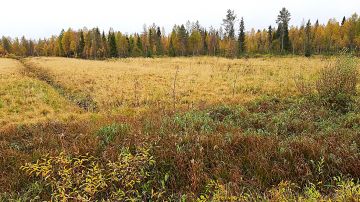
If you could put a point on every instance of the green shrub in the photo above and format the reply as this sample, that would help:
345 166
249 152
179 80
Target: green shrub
347 190
337 83
86 178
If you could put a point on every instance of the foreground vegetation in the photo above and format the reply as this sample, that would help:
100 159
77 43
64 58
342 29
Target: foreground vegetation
278 130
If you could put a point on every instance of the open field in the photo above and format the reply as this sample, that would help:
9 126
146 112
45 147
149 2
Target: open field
200 81
175 129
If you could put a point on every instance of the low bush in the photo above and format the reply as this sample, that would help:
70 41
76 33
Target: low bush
87 178
337 83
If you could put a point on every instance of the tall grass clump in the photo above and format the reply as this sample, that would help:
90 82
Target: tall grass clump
337 83
108 133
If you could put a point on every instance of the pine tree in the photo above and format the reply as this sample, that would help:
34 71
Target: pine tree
308 39
283 22
228 24
241 39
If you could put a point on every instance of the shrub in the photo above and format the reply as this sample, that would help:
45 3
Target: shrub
86 178
337 83
347 190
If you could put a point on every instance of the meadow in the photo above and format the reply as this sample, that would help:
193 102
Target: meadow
199 81
179 129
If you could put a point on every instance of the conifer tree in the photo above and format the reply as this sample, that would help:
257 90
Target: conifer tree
283 22
60 46
241 39
228 24
183 39
343 21
6 44
205 43
104 45
159 47
270 38
150 46
81 44
139 45
128 45
308 39
112 45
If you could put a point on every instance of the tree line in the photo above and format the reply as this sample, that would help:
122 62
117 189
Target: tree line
192 39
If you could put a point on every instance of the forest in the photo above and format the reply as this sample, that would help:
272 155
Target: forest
191 39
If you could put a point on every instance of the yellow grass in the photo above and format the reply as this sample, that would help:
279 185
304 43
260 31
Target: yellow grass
200 81
24 99
118 84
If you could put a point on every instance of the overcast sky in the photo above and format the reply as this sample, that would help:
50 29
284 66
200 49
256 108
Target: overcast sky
43 18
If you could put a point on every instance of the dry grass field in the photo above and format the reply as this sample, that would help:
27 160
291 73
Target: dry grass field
199 82
25 100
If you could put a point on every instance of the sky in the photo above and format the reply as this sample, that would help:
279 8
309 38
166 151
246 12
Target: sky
42 18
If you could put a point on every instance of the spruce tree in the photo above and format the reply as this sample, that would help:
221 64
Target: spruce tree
128 45
6 44
61 49
159 47
270 38
104 45
81 45
137 46
308 39
131 45
183 36
205 45
112 45
241 39
343 21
